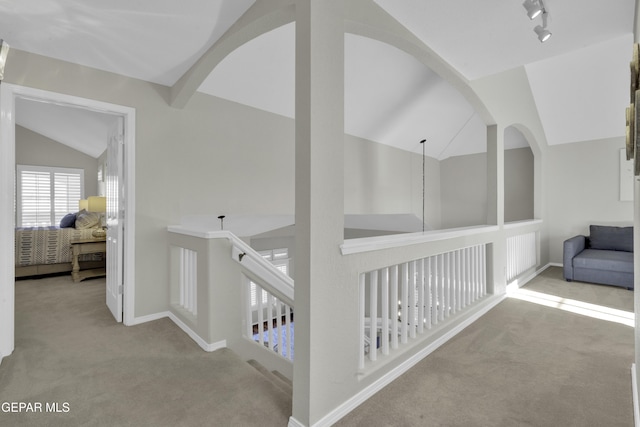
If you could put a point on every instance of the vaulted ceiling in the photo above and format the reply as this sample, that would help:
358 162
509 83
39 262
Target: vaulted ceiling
579 78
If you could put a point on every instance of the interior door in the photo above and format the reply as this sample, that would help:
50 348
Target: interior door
114 183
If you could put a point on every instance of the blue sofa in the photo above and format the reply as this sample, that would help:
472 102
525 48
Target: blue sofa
604 257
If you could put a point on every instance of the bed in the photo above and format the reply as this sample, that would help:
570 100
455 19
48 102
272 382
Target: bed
47 250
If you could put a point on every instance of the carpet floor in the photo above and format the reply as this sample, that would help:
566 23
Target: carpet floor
72 355
522 364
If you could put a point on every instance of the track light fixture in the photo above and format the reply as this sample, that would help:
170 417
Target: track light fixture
534 9
543 33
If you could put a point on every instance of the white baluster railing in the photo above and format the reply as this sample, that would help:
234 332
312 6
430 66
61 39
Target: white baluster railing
188 280
269 322
402 302
521 254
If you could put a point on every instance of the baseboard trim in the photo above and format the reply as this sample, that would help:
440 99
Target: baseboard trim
520 282
379 384
634 389
148 318
194 336
294 423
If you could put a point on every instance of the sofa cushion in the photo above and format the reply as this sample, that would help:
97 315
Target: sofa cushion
611 238
598 259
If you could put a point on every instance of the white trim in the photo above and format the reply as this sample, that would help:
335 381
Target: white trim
349 405
276 282
203 234
520 282
128 303
523 223
294 423
634 389
367 244
149 318
9 93
194 336
7 223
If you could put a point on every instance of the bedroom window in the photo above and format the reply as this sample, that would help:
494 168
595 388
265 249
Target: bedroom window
280 259
46 194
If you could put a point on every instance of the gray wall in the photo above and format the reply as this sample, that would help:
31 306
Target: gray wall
384 180
215 157
37 150
464 188
582 181
463 191
518 184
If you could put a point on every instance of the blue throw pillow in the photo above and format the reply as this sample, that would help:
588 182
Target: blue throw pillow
68 221
611 238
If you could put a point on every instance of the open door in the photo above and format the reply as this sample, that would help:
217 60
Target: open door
115 218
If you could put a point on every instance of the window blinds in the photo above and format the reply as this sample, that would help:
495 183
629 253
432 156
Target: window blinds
46 194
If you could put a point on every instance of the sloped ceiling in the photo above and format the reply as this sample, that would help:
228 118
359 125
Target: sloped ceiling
80 129
578 78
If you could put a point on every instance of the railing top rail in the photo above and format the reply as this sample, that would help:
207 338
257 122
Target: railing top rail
523 223
274 280
196 232
353 246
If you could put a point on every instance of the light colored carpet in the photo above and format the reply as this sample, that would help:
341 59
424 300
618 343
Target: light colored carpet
69 349
521 364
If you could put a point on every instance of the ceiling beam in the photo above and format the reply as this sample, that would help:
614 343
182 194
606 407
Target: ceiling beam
368 19
262 17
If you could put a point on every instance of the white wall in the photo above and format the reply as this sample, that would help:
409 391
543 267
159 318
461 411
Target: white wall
582 181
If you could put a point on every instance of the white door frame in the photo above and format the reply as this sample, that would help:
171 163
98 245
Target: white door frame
8 95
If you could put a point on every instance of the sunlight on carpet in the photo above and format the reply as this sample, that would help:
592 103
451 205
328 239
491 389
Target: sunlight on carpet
574 306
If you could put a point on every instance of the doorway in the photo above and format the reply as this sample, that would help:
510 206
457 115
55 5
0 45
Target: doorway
123 236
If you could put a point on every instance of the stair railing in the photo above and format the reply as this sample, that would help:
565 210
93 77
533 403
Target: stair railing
269 318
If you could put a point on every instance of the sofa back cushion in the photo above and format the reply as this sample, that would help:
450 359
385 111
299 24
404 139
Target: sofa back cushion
611 238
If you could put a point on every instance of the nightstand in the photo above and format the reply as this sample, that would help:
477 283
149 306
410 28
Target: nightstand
86 246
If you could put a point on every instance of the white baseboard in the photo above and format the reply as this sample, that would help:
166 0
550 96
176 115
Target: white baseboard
201 342
634 389
520 282
294 423
379 384
148 318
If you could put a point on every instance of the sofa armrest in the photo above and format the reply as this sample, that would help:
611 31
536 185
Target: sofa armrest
571 248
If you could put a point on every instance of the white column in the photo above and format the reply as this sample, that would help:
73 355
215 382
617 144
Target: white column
319 133
636 228
496 259
7 233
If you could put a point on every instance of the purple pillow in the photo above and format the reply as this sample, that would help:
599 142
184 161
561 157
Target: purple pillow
68 221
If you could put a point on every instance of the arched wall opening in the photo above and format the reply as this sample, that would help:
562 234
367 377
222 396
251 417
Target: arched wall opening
384 173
